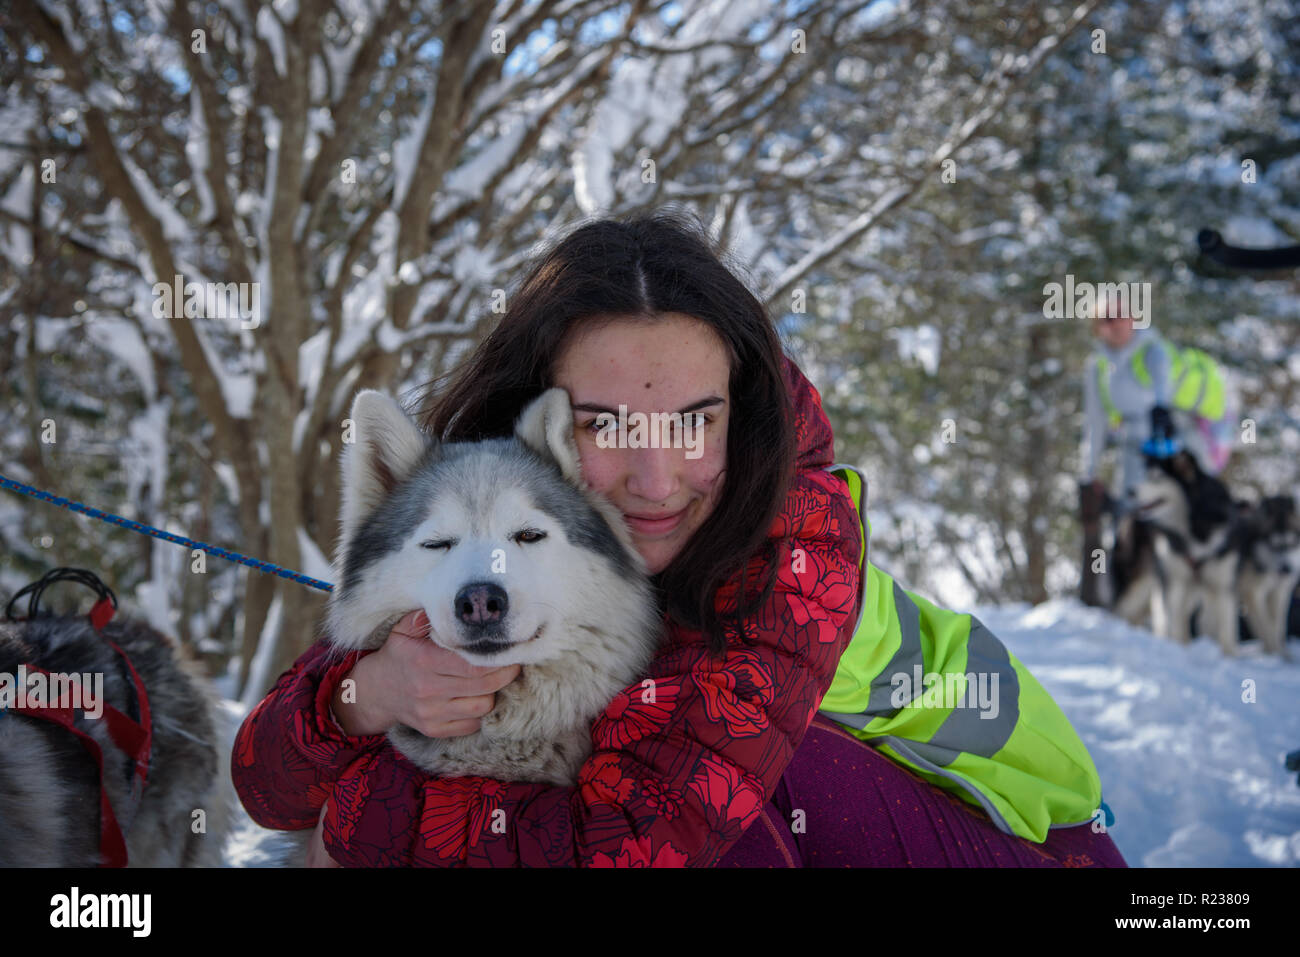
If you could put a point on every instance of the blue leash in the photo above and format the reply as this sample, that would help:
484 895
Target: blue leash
143 529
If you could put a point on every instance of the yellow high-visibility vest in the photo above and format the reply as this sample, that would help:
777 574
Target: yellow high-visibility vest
1198 384
937 692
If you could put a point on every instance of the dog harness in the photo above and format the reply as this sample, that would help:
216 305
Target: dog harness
914 681
133 738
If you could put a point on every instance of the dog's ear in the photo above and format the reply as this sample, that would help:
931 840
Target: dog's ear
382 447
546 427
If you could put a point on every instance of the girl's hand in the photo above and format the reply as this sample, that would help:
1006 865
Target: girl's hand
412 681
317 856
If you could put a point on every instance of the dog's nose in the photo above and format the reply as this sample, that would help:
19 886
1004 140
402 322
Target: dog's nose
481 603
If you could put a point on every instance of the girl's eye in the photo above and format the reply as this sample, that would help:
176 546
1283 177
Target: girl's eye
695 420
528 536
700 419
438 543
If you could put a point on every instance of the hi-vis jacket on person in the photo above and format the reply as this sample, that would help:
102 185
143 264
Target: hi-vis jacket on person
1121 386
937 692
1197 385
677 776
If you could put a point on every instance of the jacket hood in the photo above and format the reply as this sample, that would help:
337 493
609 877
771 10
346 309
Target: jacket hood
815 441
810 503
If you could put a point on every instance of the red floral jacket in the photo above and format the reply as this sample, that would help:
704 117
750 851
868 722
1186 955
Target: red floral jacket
670 781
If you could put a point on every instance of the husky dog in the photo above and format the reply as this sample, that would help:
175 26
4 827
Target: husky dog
1129 588
1270 570
514 561
1196 541
49 782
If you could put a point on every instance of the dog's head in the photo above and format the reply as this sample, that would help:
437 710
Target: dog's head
1275 527
501 544
1164 491
1175 493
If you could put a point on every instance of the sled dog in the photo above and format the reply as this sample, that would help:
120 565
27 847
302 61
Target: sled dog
1196 536
1270 570
49 781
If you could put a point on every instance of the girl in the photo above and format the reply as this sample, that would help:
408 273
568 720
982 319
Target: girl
757 556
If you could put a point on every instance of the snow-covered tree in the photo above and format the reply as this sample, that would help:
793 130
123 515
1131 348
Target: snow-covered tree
1153 122
352 187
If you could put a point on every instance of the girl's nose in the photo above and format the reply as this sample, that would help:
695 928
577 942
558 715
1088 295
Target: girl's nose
652 473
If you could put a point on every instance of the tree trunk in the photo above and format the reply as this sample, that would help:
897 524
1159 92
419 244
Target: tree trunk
1038 472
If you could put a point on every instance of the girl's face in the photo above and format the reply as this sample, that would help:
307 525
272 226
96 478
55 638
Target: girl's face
673 364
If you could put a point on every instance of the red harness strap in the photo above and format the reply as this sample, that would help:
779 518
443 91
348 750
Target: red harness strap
132 738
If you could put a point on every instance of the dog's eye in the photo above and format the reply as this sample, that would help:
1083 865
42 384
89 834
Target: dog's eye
437 543
528 536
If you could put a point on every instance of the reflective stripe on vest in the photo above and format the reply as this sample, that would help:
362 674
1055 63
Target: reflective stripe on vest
1197 388
1113 415
937 692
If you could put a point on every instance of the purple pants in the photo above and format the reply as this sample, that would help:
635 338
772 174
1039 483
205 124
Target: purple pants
864 810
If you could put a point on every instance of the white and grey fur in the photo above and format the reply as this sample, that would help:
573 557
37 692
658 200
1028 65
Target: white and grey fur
514 560
1202 549
49 783
1197 539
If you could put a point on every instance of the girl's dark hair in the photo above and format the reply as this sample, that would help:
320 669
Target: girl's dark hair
642 267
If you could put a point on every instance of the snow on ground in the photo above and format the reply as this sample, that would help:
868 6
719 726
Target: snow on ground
1192 771
1190 765
247 845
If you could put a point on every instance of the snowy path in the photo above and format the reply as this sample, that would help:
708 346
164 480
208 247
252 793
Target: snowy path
1193 773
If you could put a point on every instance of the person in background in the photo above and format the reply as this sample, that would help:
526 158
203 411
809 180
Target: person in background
1150 398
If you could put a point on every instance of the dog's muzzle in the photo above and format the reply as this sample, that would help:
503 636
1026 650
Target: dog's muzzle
480 610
